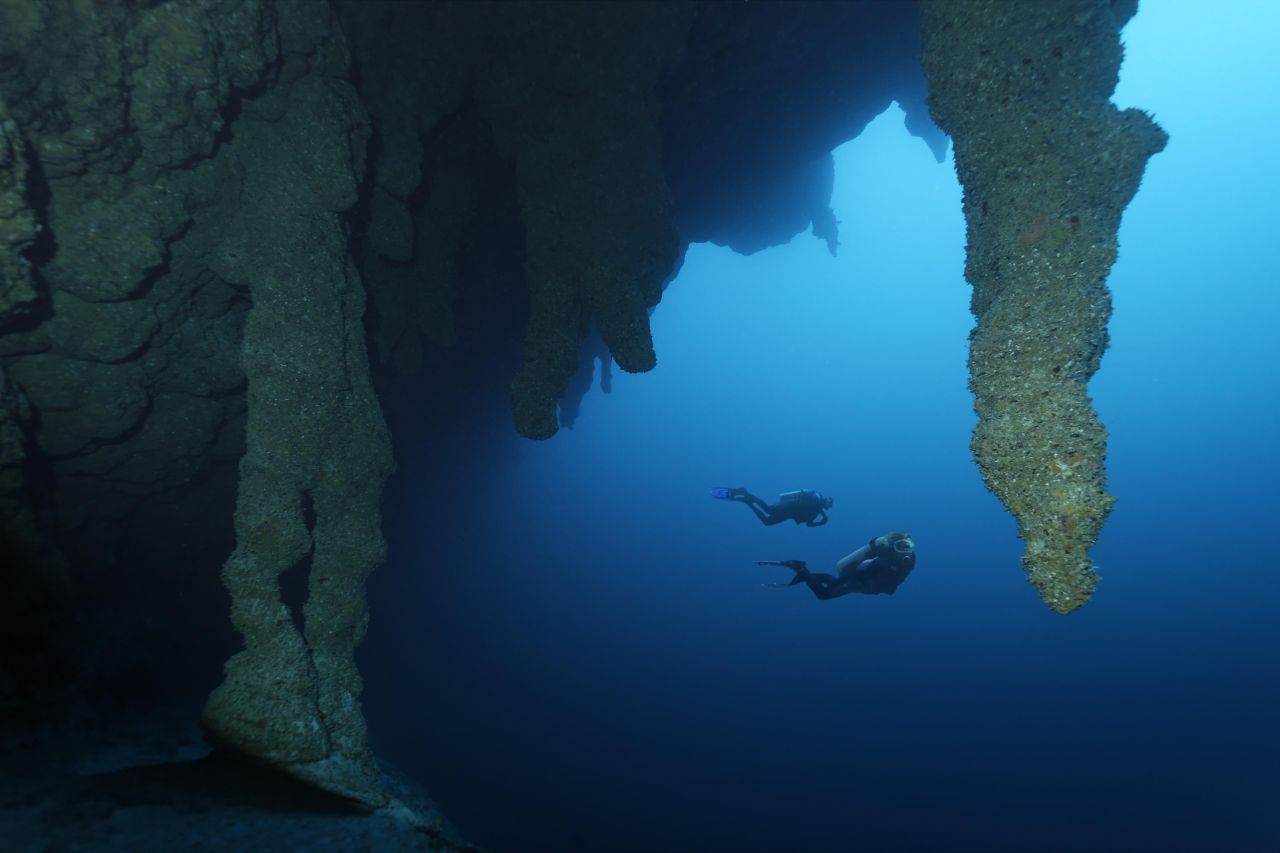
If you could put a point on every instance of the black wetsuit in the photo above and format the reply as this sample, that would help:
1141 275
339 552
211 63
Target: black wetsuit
876 568
883 580
806 507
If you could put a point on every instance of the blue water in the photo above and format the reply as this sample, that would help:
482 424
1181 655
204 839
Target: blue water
571 645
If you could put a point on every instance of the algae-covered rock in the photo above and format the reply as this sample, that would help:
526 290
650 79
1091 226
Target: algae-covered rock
112 119
565 99
1048 165
19 226
573 102
127 355
113 330
317 451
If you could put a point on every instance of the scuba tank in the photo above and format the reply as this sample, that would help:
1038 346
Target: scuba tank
792 497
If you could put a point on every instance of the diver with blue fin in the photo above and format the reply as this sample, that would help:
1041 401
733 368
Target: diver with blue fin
803 506
877 568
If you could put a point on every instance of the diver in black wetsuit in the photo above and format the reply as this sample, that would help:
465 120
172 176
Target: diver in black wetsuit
802 507
876 568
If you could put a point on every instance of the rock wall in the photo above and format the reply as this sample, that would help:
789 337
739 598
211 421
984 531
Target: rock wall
123 394
1048 165
174 179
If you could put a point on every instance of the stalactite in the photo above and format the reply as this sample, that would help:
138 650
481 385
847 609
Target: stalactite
1048 165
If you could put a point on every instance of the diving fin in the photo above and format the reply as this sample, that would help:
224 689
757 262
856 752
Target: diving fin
793 565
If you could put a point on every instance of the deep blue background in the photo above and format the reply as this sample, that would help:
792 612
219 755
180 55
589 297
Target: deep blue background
571 646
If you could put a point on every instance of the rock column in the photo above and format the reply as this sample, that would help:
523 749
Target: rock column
1048 165
317 451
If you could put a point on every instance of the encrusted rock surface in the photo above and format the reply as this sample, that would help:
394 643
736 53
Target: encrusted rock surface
1048 165
115 337
116 353
599 235
564 96
125 348
317 451
18 225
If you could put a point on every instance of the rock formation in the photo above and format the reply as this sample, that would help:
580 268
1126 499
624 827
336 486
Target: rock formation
317 451
191 162
619 134
123 396
1048 165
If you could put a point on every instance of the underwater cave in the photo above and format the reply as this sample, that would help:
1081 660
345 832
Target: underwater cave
377 379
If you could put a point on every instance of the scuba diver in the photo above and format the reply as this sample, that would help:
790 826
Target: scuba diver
877 567
803 506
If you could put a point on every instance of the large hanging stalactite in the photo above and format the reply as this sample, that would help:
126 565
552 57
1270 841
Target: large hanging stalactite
623 132
583 132
1048 165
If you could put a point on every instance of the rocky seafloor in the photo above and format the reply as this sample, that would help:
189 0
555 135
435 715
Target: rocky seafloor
149 782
